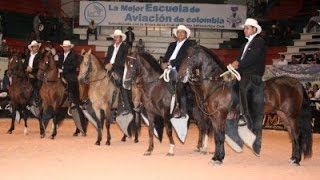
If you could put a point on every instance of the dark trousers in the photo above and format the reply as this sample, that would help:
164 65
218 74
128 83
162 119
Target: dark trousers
251 98
73 92
184 96
36 85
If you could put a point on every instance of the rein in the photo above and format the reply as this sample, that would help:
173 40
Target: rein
89 70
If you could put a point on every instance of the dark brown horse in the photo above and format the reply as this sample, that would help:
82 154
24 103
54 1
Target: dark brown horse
53 95
142 74
284 96
20 91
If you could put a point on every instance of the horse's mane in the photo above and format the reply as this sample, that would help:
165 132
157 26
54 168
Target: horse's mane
214 57
152 61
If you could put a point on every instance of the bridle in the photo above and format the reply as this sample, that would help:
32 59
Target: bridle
88 71
45 71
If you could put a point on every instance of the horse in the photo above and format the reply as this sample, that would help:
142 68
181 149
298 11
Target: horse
284 96
20 91
54 97
142 74
102 93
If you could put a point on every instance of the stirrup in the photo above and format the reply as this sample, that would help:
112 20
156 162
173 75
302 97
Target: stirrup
242 121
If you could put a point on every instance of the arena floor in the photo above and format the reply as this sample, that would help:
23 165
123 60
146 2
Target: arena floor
67 157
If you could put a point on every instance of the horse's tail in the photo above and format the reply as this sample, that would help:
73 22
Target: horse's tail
304 120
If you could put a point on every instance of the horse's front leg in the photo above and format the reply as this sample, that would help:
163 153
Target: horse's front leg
108 124
41 125
76 133
137 126
168 126
219 137
151 134
54 126
99 123
13 117
24 114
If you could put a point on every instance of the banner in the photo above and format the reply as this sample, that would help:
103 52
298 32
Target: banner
210 16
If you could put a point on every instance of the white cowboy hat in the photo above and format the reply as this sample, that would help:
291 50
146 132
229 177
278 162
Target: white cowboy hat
252 22
67 43
118 32
184 28
33 43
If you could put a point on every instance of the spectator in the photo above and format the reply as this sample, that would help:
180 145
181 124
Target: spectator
287 34
130 36
5 81
92 29
303 59
314 59
282 60
4 49
1 28
314 22
36 25
294 60
140 46
316 91
308 86
274 36
311 95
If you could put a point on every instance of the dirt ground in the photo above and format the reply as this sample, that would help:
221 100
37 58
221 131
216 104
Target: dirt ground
67 157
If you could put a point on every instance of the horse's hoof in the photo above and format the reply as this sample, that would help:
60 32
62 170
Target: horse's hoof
216 162
108 143
42 135
203 152
123 139
97 143
9 132
293 162
84 134
170 154
148 153
136 141
196 150
52 137
75 134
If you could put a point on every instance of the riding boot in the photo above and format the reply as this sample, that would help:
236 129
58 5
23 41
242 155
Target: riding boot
126 103
244 110
180 108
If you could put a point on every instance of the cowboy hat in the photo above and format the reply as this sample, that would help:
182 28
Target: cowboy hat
33 43
67 43
184 28
118 32
252 22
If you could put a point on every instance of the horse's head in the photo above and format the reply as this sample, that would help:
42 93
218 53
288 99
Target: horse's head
15 65
200 62
189 64
85 66
45 65
130 71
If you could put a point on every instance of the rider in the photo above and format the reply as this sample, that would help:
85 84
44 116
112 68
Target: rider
68 64
114 63
175 53
31 63
251 66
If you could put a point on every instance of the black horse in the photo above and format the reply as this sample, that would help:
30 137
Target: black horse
284 96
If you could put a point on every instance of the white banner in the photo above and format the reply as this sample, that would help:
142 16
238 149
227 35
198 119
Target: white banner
211 16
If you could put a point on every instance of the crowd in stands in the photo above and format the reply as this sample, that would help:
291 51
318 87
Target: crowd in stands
299 59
